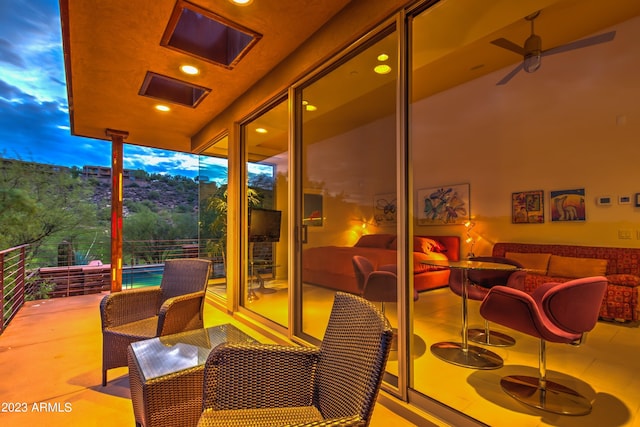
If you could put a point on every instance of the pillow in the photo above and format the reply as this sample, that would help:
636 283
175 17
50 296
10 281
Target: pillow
374 241
533 262
426 245
421 244
562 266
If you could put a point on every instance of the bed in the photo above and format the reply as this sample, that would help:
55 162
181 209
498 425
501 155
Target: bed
331 266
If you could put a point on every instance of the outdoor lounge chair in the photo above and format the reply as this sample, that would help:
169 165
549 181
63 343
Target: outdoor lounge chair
174 306
269 385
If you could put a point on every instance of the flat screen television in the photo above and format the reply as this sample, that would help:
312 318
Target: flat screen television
264 225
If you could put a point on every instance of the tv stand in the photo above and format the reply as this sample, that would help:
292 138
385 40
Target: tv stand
257 263
261 288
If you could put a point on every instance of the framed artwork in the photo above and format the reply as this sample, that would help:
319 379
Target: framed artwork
385 209
568 205
444 205
527 207
313 212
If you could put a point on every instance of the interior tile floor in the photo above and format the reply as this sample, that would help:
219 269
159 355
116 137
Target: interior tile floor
605 368
50 368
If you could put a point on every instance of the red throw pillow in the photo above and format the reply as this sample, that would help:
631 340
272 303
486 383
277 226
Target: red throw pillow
422 244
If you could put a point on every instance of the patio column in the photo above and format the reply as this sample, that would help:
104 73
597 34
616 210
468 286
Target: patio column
117 144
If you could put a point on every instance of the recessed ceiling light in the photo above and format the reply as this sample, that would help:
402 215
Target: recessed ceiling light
382 69
189 69
383 57
161 107
241 2
261 130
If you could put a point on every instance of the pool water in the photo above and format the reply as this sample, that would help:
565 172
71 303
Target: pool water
142 276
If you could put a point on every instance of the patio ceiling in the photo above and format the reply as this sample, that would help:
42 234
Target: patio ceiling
111 45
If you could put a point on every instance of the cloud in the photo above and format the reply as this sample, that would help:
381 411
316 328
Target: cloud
31 47
38 131
160 161
8 55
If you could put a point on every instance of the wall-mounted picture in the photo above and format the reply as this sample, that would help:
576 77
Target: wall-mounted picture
444 205
568 205
527 207
385 209
313 212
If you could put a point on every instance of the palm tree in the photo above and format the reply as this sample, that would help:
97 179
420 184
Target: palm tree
218 204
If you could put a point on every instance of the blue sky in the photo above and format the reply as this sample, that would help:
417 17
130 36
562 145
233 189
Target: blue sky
34 116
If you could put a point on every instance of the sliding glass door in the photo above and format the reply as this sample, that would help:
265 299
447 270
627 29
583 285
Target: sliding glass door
266 276
347 122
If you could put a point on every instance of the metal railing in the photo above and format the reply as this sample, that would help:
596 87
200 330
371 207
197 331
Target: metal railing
47 272
12 282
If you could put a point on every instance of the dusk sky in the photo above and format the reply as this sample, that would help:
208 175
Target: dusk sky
34 116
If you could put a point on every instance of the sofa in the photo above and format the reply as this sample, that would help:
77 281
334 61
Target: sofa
332 267
560 263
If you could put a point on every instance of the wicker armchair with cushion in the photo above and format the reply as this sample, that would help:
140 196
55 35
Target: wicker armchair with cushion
174 306
271 385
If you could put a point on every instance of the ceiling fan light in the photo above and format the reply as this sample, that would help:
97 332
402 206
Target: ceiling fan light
532 61
533 49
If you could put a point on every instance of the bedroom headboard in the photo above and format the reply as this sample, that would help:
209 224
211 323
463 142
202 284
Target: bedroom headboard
452 243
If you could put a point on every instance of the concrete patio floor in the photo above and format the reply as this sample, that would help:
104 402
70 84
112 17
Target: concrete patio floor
50 368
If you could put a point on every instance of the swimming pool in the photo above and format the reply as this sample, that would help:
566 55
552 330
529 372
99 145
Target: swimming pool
139 276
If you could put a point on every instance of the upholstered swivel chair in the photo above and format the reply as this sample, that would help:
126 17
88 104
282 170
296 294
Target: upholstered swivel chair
134 315
480 281
271 385
555 312
377 285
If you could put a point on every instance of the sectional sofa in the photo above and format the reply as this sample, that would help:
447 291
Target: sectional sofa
560 263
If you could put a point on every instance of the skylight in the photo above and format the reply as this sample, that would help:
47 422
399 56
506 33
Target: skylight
201 33
176 91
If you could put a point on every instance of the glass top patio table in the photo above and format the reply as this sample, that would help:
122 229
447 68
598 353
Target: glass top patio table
461 353
169 354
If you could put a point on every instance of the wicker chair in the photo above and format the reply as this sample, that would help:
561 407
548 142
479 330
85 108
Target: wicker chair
270 385
135 315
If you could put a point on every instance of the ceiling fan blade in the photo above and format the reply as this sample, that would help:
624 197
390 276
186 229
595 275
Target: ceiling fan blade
579 44
509 76
509 45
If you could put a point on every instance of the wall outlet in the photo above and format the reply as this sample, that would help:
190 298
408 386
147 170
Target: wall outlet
625 234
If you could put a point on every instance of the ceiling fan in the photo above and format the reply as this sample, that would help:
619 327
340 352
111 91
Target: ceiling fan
532 52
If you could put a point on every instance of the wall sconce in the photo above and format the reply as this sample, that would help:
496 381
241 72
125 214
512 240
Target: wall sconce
470 240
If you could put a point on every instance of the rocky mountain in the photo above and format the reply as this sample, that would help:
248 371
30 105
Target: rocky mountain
166 194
